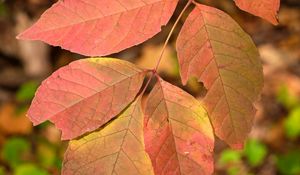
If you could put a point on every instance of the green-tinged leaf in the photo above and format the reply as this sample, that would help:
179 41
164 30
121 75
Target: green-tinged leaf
118 148
27 91
30 169
255 152
14 150
289 164
292 124
178 135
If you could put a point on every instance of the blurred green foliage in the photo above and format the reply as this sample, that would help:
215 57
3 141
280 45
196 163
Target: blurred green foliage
22 159
233 170
2 171
27 91
29 169
289 164
292 104
3 9
47 155
292 124
285 98
14 150
231 159
229 156
255 152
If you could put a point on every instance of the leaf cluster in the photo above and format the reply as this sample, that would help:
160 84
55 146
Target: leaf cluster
96 102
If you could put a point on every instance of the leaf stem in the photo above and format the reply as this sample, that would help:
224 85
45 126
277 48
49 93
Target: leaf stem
147 84
170 34
154 70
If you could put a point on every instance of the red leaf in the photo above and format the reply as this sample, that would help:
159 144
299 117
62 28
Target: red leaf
100 27
86 94
178 134
214 48
266 9
118 148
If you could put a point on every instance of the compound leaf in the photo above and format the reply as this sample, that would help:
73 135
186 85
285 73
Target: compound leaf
214 48
86 94
118 148
178 134
266 9
100 27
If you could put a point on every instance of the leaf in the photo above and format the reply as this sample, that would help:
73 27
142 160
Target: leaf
214 48
118 148
266 9
86 94
178 135
97 28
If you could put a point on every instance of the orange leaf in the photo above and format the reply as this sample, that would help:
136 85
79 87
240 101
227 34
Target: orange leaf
86 94
118 148
266 9
214 48
178 135
100 27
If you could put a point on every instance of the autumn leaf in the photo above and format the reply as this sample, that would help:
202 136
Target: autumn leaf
118 148
178 135
266 9
97 28
86 94
214 48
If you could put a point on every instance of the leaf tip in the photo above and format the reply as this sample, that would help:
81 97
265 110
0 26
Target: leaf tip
18 37
184 80
276 21
21 36
34 122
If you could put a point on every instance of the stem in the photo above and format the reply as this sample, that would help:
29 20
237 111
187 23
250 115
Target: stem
147 84
170 34
154 71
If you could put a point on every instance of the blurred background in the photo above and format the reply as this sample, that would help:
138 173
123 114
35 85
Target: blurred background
274 143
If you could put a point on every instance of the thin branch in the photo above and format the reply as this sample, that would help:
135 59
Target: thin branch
154 71
170 34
